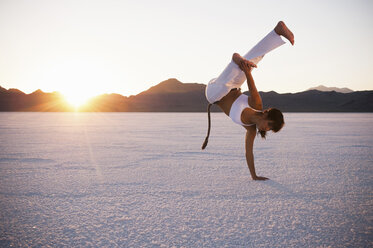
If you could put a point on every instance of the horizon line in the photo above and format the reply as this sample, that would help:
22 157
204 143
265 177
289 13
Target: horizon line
109 93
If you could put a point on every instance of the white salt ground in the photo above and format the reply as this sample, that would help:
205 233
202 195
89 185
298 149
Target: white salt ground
141 180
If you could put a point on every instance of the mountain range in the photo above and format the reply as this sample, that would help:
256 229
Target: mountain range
173 96
324 88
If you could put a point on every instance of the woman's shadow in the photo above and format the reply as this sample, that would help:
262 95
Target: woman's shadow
284 189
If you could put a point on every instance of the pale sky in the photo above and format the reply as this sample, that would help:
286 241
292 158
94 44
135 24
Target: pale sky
128 46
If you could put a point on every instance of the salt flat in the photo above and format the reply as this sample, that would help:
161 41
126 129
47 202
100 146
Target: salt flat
141 180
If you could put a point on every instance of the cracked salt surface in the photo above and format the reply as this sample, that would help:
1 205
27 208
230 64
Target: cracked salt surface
141 180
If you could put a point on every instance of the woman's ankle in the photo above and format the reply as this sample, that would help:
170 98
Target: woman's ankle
237 58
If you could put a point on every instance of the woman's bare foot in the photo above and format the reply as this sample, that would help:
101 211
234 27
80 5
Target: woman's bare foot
282 29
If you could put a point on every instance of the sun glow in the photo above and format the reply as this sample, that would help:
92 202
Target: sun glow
78 79
77 99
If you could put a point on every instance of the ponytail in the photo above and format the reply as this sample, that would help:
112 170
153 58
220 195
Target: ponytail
209 127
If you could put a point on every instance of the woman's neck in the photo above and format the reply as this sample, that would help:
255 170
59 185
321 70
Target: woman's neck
250 116
256 117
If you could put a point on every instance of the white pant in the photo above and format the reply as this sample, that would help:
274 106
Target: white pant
232 76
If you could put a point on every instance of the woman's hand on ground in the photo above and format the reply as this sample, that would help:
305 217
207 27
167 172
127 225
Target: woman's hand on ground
256 178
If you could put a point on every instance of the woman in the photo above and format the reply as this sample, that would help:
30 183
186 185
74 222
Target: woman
243 110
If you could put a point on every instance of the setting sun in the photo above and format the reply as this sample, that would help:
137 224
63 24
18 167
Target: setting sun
79 95
76 99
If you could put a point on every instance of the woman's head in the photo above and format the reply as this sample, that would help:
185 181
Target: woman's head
273 120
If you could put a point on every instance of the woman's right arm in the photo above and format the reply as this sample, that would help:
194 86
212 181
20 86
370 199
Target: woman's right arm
245 65
255 100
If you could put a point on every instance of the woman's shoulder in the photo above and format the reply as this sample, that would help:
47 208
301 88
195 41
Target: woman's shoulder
251 131
258 106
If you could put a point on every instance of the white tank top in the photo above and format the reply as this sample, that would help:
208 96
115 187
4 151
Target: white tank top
237 107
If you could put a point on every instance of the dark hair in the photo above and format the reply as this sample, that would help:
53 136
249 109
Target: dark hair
209 127
277 121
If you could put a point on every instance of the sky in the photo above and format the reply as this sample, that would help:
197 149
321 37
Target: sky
93 47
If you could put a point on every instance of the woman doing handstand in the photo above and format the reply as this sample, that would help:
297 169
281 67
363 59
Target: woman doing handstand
243 110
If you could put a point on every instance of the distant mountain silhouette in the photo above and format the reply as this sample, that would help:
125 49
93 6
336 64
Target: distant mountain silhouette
16 100
324 88
319 101
170 96
173 96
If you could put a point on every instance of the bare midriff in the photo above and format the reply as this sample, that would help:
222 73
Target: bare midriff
226 102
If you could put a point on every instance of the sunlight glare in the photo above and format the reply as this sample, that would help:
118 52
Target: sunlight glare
78 79
76 99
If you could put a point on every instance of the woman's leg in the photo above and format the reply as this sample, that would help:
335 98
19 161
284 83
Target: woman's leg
233 77
270 42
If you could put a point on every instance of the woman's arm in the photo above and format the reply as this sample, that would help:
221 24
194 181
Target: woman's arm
249 143
255 100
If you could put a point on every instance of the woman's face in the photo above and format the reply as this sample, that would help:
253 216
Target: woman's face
265 125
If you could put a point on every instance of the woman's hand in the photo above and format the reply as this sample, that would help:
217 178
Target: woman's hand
242 63
256 178
245 65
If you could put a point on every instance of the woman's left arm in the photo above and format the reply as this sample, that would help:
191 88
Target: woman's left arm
249 143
